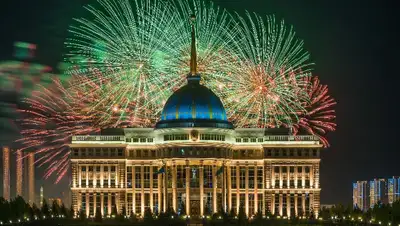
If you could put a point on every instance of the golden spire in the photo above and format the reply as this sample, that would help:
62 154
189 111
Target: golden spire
193 55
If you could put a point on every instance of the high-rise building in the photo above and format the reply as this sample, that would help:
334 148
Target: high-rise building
366 194
393 189
31 177
361 195
19 173
6 173
194 161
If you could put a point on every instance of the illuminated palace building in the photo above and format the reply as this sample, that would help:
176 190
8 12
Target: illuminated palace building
195 163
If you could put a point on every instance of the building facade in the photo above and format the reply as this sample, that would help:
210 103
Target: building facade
195 163
366 194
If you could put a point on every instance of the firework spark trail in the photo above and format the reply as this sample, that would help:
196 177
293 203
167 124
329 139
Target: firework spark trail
319 118
268 79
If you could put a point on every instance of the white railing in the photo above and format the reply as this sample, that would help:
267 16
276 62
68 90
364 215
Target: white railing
98 138
291 138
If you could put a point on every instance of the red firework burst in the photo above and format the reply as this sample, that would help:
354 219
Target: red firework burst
49 121
319 118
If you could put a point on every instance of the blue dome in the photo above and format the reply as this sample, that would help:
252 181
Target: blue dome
194 105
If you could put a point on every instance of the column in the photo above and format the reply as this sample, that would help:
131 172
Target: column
109 203
288 204
296 211
102 203
174 198
151 188
187 188
117 202
87 201
237 188
246 199
224 184
87 176
201 188
101 176
229 187
109 176
272 208
280 177
311 176
255 189
316 175
214 198
142 189
303 177
295 177
79 203
288 176
134 189
117 175
272 177
280 204
79 176
95 185
94 203
160 201
303 203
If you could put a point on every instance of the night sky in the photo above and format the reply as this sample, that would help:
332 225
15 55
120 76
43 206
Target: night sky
353 43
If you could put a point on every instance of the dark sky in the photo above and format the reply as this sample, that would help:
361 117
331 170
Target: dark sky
353 43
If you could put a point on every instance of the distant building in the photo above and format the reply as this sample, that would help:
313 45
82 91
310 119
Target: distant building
6 173
368 193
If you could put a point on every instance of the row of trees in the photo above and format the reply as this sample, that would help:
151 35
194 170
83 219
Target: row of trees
384 213
17 209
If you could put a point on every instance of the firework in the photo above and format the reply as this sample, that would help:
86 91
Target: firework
127 45
319 117
49 122
214 39
127 60
266 87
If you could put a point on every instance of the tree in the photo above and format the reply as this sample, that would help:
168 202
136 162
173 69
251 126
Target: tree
82 214
63 210
71 213
242 218
98 217
45 209
114 211
133 217
55 208
148 216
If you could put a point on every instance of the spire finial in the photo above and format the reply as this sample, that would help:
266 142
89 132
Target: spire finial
193 55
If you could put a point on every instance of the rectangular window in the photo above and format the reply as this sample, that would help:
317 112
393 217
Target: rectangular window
207 171
129 200
142 140
120 152
138 177
234 203
155 177
242 178
251 177
146 176
233 176
129 177
260 176
138 204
